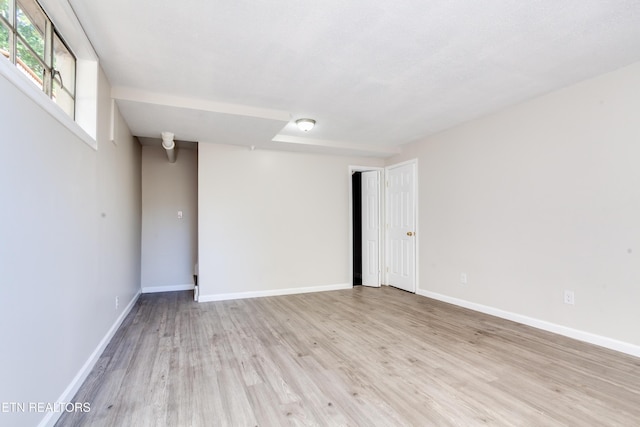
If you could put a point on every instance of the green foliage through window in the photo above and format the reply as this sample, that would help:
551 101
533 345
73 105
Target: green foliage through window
4 9
4 40
4 31
30 33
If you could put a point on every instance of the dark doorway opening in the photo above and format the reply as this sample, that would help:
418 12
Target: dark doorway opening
356 185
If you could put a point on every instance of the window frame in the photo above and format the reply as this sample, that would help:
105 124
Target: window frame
51 76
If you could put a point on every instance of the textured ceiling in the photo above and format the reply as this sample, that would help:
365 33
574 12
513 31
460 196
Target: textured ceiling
374 74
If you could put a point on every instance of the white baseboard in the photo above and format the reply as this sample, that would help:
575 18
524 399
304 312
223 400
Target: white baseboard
67 396
170 288
588 337
271 293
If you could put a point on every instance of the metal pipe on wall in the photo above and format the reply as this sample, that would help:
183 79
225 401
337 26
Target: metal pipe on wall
169 145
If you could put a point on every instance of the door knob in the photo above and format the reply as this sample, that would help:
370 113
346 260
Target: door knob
409 233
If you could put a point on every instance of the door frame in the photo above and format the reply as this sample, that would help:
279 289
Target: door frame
381 219
416 216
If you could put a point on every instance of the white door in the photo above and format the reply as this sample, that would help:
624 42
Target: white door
371 228
401 220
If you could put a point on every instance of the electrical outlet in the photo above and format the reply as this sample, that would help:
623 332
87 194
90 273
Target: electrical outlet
463 278
117 303
569 297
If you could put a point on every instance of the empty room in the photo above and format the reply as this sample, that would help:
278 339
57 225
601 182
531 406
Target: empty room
363 213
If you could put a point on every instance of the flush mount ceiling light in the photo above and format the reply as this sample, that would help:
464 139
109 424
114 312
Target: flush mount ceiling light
305 125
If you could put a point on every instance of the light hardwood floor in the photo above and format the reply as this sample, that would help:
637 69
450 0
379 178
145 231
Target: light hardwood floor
361 357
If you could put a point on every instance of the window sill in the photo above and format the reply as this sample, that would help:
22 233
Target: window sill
15 77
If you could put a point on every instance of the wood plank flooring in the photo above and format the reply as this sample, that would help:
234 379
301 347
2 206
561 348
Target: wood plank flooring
361 357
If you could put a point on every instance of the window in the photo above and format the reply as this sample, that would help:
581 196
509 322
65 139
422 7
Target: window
29 40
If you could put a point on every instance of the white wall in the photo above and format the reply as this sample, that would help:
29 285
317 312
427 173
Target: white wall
69 244
169 244
536 199
271 221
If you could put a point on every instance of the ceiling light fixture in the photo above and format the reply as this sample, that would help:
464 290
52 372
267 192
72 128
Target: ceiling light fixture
305 125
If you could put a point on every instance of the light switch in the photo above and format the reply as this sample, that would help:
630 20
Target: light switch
179 214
